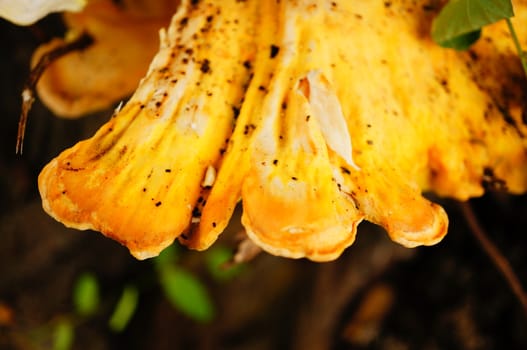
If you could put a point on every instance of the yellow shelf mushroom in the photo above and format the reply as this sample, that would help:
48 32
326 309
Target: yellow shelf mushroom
316 115
94 78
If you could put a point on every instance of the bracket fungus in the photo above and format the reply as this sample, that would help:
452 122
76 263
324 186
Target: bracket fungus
316 115
124 41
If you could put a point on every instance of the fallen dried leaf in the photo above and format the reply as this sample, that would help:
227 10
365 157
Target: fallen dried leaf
24 12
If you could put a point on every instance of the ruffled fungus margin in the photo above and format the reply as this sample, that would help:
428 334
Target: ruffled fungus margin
315 115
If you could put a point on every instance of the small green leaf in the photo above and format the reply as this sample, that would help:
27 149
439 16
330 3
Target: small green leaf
186 293
216 257
125 309
167 257
462 42
63 335
464 18
86 294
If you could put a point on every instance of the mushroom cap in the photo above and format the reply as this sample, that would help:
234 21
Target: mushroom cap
316 116
125 38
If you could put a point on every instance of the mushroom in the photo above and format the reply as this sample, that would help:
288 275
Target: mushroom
124 41
315 115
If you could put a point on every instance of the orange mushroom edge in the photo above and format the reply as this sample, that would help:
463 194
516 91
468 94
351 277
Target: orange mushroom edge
276 105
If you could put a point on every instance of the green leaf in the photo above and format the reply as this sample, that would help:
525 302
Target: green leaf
167 257
63 335
216 257
186 293
86 294
464 18
125 309
462 42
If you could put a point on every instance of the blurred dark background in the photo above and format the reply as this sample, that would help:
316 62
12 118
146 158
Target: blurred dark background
378 295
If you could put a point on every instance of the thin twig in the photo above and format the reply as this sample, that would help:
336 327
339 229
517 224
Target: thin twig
517 44
495 255
28 93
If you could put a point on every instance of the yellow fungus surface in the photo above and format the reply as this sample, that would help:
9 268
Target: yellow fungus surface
125 37
316 115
